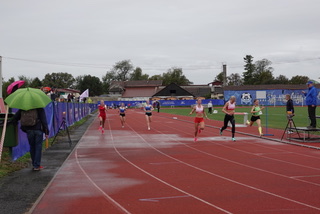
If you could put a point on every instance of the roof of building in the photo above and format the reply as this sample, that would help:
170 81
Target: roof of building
198 90
139 92
168 91
142 83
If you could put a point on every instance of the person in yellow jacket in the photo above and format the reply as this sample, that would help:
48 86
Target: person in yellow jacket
256 111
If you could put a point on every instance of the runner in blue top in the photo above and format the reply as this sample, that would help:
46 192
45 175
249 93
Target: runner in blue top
122 111
148 109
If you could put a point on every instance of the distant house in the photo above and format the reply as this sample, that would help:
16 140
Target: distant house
64 92
116 88
140 89
216 90
173 92
199 91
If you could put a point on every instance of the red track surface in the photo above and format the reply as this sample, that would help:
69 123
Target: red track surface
133 170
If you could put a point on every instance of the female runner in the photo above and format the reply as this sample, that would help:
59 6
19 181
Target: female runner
102 115
198 120
228 109
122 111
148 109
256 112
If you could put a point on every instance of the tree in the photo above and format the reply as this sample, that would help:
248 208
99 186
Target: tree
137 75
26 80
92 83
299 80
122 70
58 80
235 79
219 77
156 77
107 79
175 75
281 79
35 83
249 68
263 72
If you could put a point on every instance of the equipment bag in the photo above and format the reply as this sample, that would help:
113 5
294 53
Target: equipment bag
29 118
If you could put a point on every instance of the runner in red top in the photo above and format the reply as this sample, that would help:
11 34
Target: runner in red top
198 120
102 115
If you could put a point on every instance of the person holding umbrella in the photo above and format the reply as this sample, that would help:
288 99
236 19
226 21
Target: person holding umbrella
32 117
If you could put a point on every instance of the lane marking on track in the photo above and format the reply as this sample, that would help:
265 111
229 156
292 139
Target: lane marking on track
234 162
224 178
232 148
162 163
158 179
163 198
305 176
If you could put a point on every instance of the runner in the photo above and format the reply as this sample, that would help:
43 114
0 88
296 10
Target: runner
228 109
148 109
102 115
122 111
198 120
256 111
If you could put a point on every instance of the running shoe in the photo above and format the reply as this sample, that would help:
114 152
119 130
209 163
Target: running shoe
100 128
102 131
248 122
220 132
199 131
233 139
122 126
38 169
149 128
195 139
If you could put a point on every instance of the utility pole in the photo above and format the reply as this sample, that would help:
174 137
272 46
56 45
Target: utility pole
2 107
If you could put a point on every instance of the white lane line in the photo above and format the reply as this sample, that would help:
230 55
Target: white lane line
305 176
158 179
109 198
98 188
227 179
163 198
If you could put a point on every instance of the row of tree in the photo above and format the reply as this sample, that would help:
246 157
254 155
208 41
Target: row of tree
255 73
121 71
259 73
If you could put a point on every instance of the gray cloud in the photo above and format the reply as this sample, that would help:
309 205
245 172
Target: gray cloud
156 35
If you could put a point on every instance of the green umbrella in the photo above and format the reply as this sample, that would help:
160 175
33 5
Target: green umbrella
27 98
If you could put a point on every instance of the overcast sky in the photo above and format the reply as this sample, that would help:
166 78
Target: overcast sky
198 36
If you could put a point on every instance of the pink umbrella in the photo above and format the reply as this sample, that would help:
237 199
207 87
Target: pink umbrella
14 86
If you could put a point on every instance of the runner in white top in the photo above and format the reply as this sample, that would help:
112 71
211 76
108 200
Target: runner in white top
229 108
198 120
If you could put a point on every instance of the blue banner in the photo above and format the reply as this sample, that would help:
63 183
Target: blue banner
164 103
272 97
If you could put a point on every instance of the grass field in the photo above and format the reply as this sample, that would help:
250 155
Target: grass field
276 115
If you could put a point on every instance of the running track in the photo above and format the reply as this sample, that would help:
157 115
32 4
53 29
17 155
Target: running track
133 170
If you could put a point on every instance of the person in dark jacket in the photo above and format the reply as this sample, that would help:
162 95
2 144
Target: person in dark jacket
311 102
290 112
35 136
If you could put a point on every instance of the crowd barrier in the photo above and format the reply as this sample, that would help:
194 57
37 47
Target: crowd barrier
54 112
